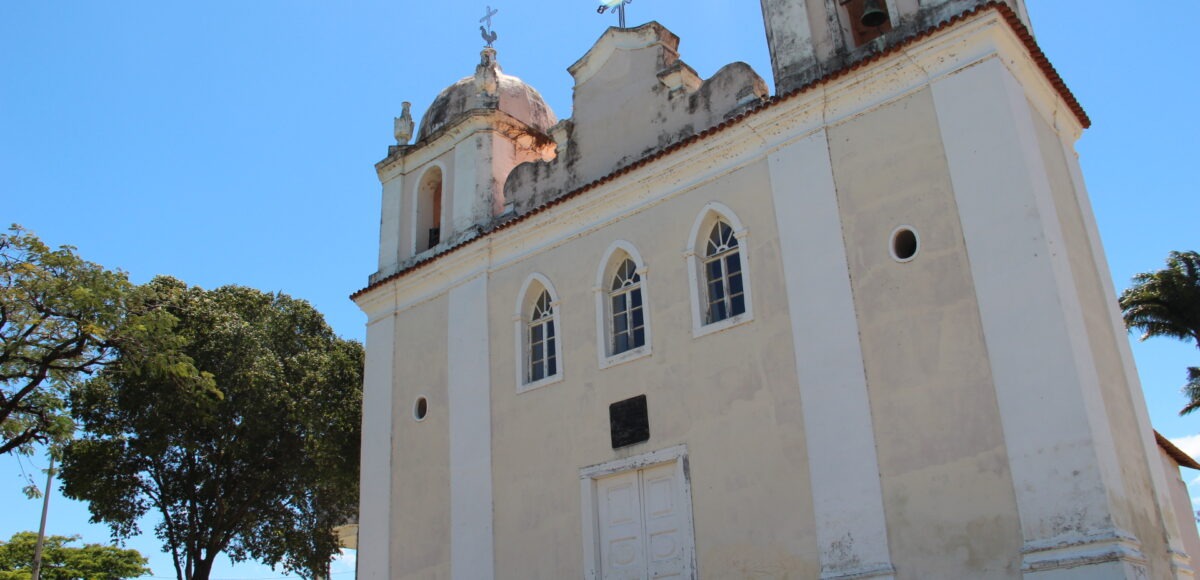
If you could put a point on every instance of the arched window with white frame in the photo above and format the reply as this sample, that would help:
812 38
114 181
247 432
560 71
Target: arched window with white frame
725 294
622 317
626 308
538 335
717 265
542 340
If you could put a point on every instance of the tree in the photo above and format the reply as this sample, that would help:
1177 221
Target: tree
1167 303
63 562
57 315
327 495
240 427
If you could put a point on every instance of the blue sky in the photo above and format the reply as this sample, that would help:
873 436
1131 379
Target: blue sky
231 142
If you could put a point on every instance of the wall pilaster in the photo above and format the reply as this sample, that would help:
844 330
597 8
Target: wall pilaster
472 546
375 481
1065 471
842 462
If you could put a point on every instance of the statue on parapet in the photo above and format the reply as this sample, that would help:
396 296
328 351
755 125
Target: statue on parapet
403 125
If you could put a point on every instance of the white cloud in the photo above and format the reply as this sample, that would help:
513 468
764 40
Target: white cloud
1189 444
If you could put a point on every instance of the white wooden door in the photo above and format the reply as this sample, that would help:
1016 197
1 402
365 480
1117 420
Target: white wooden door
664 520
622 539
641 517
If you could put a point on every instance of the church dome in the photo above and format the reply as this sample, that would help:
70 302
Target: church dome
515 97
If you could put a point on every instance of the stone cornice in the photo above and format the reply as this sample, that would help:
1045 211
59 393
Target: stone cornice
403 293
402 159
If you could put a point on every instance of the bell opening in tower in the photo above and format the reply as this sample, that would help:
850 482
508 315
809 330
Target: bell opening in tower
866 19
429 210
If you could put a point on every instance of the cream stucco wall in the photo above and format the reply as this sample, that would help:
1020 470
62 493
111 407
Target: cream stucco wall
474 158
989 392
730 396
843 462
397 227
941 450
420 538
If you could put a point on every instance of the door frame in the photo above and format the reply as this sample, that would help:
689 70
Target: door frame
677 455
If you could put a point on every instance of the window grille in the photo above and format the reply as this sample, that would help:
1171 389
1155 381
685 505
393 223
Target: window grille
628 316
724 291
542 336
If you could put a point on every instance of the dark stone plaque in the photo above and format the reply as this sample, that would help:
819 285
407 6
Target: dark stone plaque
629 421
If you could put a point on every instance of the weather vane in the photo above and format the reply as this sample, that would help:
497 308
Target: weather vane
617 6
489 36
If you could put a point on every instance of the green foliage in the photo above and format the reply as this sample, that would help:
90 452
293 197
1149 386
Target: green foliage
57 317
235 416
1192 391
1167 303
63 562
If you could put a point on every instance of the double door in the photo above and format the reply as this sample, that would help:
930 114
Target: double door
642 514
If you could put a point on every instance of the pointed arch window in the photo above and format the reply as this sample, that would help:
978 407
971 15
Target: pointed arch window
622 316
628 314
718 265
538 335
725 293
543 340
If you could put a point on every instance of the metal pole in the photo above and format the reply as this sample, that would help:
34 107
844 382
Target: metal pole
37 548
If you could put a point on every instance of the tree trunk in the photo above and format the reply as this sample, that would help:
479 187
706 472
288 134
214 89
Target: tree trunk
203 569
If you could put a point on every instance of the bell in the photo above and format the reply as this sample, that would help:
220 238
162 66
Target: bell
874 14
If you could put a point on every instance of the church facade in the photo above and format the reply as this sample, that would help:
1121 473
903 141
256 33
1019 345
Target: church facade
861 328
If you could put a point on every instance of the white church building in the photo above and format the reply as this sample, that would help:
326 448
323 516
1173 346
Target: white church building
860 328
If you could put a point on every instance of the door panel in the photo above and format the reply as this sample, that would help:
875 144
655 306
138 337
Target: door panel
660 492
641 524
622 551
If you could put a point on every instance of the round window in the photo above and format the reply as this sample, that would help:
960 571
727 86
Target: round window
421 408
905 244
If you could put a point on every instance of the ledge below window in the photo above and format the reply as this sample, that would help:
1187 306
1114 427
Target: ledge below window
720 325
550 380
627 356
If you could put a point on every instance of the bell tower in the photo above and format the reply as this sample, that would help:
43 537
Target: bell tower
809 38
440 190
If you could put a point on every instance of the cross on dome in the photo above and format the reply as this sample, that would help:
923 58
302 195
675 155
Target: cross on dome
489 36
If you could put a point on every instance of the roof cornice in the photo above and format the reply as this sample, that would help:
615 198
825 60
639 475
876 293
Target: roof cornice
1183 459
1006 13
